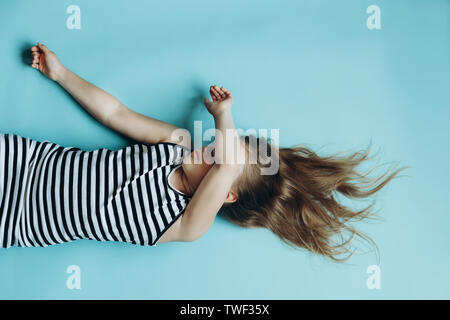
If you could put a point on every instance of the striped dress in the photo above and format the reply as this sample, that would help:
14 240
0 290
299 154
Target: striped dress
51 194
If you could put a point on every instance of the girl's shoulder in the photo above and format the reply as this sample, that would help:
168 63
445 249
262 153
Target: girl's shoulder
186 146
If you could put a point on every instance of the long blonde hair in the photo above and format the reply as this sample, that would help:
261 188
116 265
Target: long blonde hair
299 203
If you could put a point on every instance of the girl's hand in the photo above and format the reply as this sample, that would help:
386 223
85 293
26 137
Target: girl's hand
46 62
221 100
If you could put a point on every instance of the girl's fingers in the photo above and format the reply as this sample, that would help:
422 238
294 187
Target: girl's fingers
219 94
36 57
226 92
215 94
218 89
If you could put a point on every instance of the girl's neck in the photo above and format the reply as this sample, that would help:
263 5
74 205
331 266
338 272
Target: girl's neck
180 182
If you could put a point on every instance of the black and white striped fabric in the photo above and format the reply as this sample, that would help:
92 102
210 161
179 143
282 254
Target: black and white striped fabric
52 194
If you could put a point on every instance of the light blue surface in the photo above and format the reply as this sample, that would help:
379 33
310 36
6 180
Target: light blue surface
311 69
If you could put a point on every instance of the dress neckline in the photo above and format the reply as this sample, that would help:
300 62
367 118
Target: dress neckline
170 185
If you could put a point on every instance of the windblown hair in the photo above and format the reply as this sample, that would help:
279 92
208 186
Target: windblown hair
299 203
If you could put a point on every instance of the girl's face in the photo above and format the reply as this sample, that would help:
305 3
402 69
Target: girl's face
197 164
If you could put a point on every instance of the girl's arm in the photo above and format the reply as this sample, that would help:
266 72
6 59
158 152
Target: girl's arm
103 106
214 187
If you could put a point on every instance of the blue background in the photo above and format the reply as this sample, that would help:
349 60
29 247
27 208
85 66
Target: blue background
309 68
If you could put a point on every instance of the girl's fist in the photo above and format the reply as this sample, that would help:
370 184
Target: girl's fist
46 61
221 100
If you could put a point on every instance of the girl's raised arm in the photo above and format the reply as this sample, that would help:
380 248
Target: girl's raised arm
103 106
215 186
